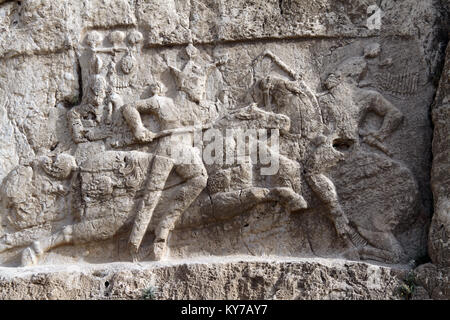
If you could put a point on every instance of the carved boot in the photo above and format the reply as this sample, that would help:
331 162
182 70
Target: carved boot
31 254
292 201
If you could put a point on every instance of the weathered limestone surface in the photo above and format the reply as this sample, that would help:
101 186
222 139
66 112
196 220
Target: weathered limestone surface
245 278
117 116
439 244
432 282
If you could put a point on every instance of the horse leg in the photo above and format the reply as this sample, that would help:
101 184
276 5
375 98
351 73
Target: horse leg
227 205
24 237
83 232
31 254
158 174
288 198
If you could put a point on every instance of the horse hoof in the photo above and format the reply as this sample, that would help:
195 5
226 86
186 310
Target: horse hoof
28 258
159 250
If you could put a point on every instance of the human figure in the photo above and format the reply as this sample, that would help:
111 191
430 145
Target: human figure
103 189
290 97
86 117
193 172
192 78
348 105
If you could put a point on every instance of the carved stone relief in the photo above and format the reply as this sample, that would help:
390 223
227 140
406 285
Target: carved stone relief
151 168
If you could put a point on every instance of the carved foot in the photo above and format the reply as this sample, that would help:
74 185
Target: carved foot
375 254
29 257
352 254
4 244
292 201
140 254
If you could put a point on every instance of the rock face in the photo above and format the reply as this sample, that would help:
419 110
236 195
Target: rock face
251 278
136 130
439 244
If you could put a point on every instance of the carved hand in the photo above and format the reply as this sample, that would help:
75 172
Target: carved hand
375 139
372 137
62 190
91 135
145 135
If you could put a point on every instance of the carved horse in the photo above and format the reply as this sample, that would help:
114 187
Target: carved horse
108 189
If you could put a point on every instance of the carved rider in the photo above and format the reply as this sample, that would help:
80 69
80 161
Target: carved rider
294 99
193 172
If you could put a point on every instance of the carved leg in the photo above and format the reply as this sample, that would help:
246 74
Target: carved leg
326 192
371 253
83 232
196 179
158 174
24 237
227 205
190 191
288 198
31 254
382 246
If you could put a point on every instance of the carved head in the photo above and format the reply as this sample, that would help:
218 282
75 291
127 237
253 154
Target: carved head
332 81
116 37
265 84
134 38
157 89
94 39
98 90
276 89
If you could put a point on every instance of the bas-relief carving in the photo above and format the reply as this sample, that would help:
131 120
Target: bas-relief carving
119 178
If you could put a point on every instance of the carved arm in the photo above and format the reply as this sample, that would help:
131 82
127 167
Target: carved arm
392 117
